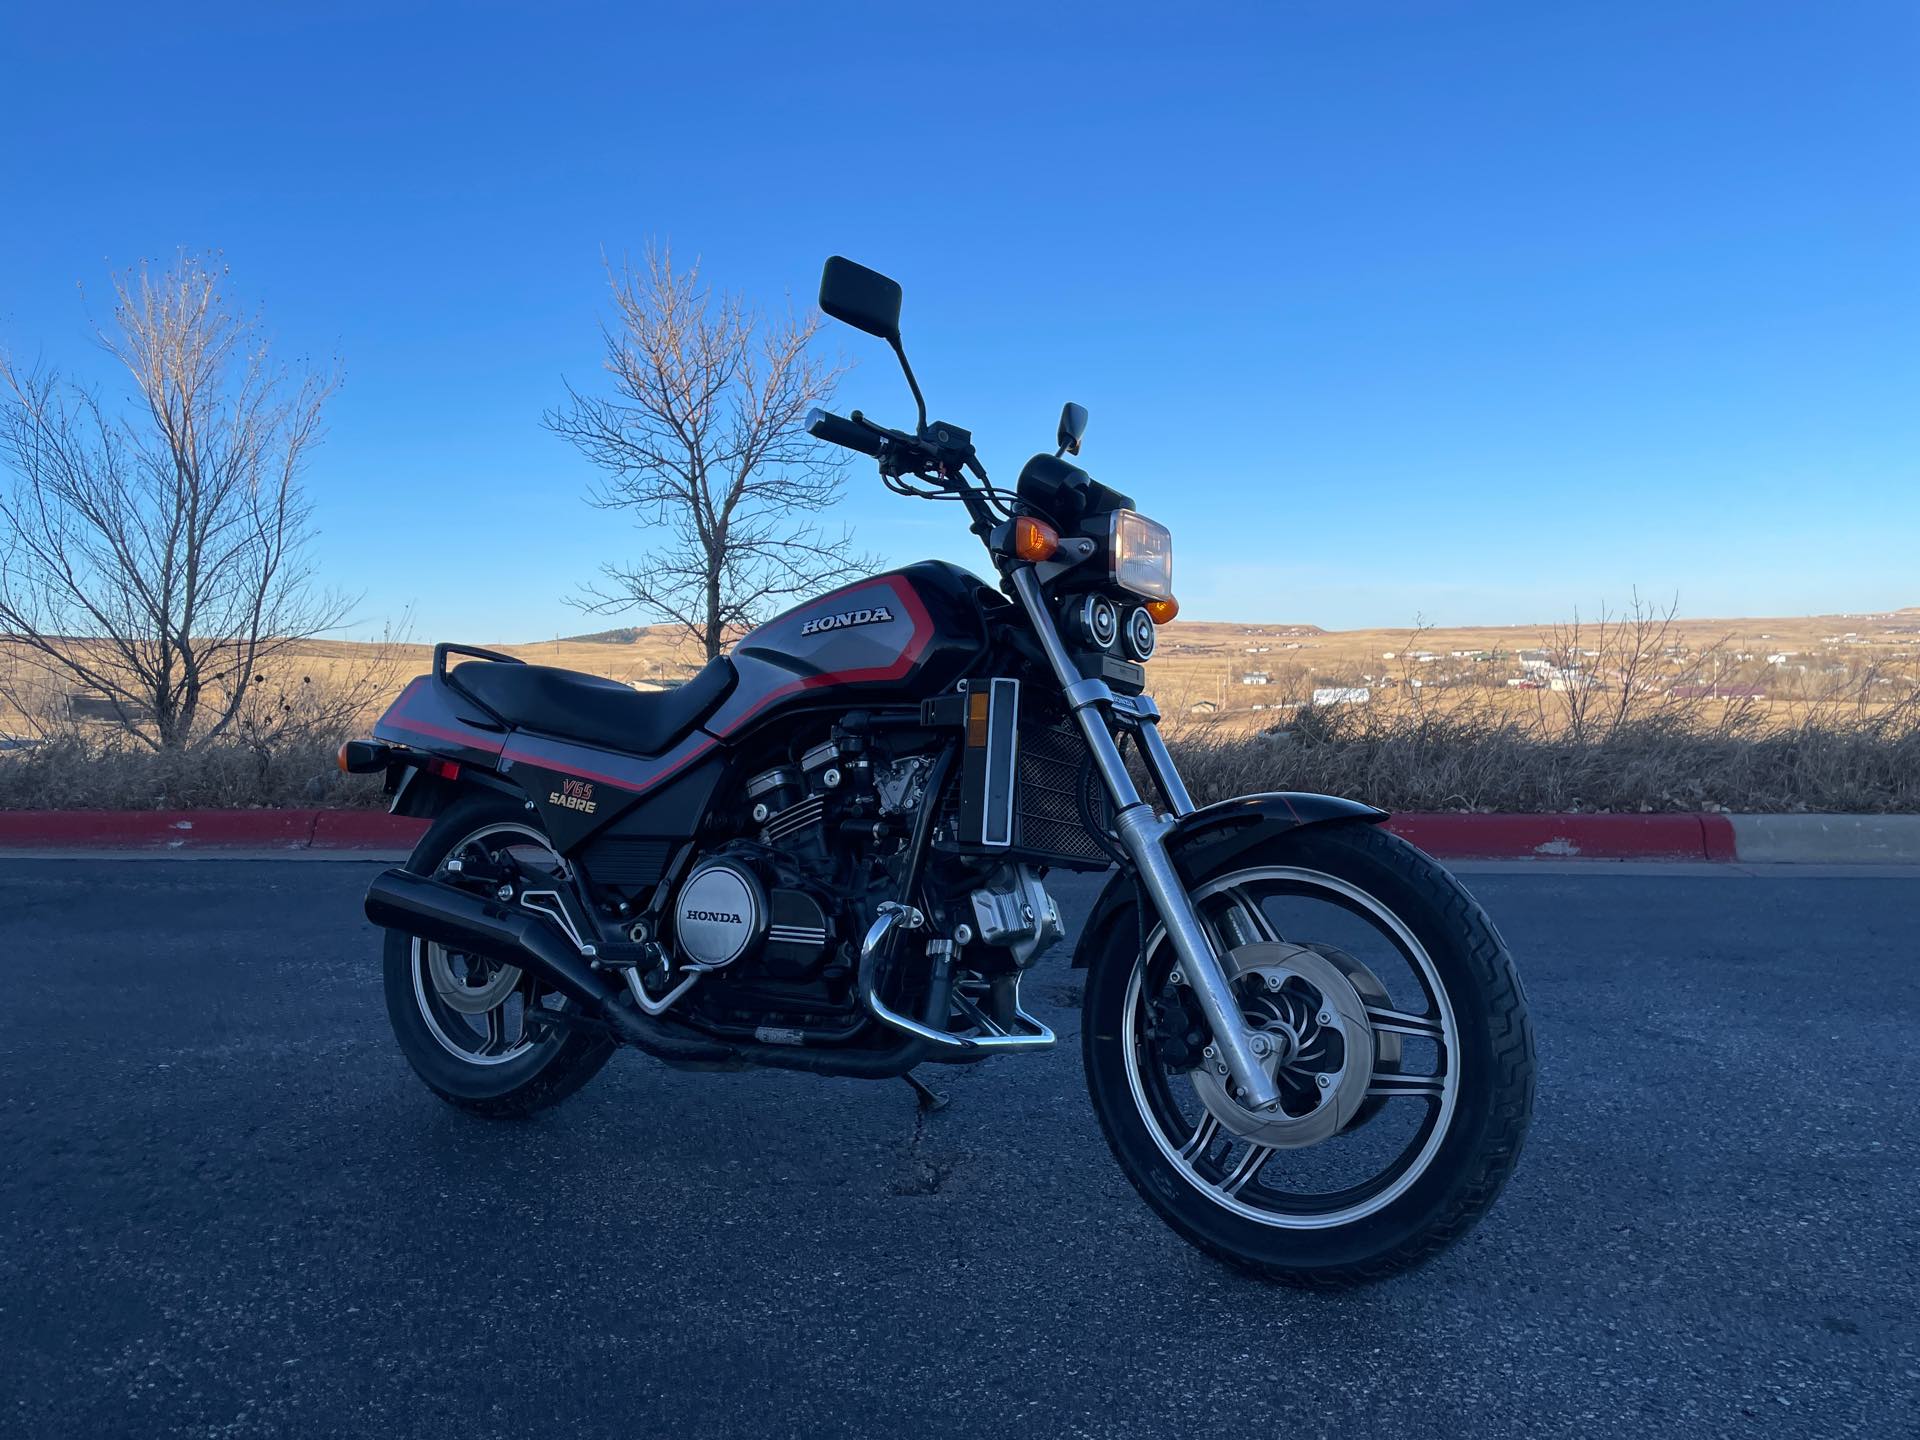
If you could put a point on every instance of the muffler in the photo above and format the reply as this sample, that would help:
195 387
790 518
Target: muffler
434 910
479 924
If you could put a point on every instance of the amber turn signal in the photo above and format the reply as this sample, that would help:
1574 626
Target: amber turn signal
363 757
342 759
1033 540
1163 610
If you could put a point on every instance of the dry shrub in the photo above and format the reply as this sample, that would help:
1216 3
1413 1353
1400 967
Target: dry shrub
1676 755
278 751
96 768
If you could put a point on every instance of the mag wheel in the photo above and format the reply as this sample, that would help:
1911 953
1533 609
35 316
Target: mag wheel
466 1024
1386 1006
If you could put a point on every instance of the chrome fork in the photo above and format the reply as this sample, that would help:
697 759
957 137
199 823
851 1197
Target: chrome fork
1143 833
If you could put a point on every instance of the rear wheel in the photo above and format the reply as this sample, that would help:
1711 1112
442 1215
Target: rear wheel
469 1026
1387 1007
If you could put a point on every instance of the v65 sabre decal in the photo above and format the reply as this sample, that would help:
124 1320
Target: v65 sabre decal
841 621
574 795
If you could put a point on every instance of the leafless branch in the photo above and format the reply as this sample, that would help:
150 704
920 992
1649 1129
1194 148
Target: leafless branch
703 442
156 555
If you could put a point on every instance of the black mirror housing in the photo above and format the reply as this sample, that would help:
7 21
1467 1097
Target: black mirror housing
1073 427
862 298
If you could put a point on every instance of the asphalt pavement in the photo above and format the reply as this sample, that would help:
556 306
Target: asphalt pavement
227 1207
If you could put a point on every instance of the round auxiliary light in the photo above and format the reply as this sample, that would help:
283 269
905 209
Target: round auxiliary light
1140 636
1099 621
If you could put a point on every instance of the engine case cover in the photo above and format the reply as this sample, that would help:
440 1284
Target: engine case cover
720 915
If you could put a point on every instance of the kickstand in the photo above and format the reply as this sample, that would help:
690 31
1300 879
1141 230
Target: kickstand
930 1098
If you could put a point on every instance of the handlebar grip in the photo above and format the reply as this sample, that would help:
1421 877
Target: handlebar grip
837 430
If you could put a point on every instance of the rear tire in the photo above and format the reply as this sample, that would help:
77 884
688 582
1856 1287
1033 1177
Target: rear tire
520 1079
1457 1158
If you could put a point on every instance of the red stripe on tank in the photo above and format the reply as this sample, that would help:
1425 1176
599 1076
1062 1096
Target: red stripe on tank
909 655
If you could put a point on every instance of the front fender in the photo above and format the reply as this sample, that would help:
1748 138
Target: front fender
1208 838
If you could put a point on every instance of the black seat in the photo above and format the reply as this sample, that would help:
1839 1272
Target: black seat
596 711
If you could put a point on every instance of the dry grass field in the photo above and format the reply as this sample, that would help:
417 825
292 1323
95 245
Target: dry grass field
1641 712
1208 669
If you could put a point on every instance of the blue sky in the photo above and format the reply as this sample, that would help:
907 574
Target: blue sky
1473 311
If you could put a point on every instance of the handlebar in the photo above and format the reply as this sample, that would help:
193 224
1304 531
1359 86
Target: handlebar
838 430
939 454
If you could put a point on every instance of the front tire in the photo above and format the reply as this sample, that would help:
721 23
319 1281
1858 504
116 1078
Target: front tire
1390 1003
461 1023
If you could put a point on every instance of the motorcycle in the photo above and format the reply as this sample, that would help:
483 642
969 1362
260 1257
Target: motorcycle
828 851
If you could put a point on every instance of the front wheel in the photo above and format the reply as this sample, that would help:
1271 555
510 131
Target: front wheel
1387 1007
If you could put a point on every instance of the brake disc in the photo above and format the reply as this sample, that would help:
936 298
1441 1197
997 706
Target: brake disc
460 992
1309 1014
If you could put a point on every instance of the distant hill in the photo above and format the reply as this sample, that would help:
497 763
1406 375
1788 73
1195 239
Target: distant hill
625 635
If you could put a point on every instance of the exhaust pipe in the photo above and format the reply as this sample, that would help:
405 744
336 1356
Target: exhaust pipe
433 910
480 925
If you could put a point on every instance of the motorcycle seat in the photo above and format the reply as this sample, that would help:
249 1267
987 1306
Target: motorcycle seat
595 711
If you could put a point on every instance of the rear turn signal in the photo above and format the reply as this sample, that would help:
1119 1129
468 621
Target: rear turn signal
363 757
1163 610
1033 540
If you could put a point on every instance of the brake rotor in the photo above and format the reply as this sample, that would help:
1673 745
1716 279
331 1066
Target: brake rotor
1386 1043
469 994
1310 1014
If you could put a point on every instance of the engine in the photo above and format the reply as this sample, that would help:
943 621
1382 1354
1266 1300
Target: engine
774 901
775 913
751 903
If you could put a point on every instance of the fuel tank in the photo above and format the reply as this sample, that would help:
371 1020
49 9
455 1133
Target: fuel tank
899 636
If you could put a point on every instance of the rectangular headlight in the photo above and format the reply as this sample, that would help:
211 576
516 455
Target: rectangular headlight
1141 552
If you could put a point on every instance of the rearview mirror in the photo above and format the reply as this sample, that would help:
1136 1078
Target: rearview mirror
863 298
1073 425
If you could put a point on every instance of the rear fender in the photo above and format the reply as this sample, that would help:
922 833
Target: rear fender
422 795
1209 839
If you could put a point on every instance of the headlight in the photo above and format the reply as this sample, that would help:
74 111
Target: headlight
1141 552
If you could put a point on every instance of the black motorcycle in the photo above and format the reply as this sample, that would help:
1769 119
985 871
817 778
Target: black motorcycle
828 851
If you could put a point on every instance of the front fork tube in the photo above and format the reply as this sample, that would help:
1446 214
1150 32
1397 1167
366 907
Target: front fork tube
1143 834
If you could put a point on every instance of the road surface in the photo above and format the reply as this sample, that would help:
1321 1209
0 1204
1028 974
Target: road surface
227 1207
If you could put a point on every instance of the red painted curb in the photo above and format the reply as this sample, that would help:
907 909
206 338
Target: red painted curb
155 829
1717 838
1453 837
365 830
1569 837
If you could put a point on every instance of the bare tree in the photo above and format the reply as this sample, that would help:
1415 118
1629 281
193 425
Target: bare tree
1618 670
705 439
155 553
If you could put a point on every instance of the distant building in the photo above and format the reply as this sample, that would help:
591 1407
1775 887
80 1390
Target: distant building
1256 677
1342 695
1718 692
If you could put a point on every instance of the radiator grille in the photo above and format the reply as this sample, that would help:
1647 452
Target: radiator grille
1054 776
